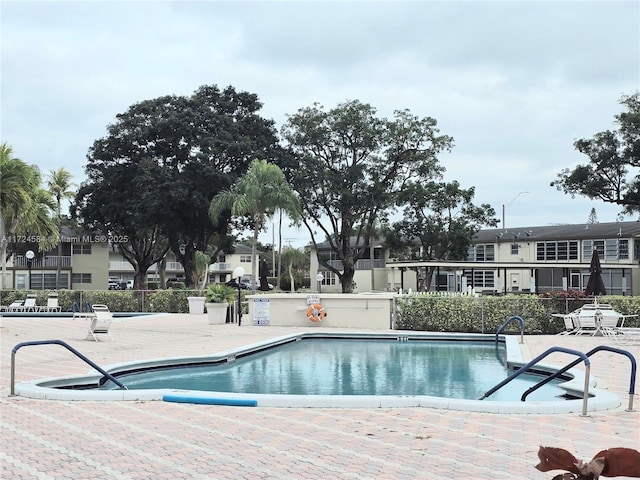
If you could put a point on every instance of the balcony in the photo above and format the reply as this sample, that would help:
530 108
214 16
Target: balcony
50 261
362 264
221 267
124 266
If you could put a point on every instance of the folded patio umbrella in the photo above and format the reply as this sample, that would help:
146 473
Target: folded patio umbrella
595 285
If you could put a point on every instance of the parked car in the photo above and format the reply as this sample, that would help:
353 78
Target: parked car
115 284
247 284
233 283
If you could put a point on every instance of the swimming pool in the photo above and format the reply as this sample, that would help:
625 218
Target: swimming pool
343 370
352 366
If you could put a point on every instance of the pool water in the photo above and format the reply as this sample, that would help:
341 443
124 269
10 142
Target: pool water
321 366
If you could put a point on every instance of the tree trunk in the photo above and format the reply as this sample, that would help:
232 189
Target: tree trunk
347 278
3 251
293 287
280 249
161 270
254 251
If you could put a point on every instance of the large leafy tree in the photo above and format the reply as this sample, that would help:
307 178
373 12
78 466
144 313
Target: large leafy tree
25 208
349 169
613 172
152 178
257 195
439 223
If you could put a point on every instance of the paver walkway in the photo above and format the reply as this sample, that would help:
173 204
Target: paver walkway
43 439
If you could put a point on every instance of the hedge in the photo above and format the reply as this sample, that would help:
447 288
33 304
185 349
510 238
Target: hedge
485 314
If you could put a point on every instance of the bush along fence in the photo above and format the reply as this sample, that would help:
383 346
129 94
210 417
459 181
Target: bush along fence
436 313
485 314
169 301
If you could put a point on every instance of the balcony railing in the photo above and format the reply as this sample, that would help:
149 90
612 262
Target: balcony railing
124 266
221 267
362 264
44 262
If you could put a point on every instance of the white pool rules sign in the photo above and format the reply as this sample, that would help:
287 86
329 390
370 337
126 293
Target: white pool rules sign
261 311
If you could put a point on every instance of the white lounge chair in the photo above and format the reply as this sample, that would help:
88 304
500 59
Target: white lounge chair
570 327
52 304
16 306
587 322
30 303
610 319
101 319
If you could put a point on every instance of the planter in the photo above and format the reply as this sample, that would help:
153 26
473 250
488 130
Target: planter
217 313
196 305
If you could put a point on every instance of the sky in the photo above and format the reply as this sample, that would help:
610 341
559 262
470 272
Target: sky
515 83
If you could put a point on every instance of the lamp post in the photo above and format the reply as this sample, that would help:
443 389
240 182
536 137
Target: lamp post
504 226
29 255
237 274
320 278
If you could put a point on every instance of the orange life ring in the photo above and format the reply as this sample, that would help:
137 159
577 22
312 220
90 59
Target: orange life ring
315 312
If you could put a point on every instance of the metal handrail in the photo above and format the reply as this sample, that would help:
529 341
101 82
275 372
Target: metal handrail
588 354
65 345
502 327
526 367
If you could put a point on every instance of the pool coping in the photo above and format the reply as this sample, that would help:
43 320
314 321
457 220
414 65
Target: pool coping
599 399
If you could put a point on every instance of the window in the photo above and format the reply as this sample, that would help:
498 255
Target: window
515 249
47 281
481 278
623 249
562 251
481 253
330 278
610 249
81 278
245 258
21 282
81 249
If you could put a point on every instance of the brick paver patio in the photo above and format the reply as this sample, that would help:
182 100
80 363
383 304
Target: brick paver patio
43 439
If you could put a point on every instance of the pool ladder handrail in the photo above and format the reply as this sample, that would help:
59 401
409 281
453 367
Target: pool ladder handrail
65 345
524 368
503 326
588 354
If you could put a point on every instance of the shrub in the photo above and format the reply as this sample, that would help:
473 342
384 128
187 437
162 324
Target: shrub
170 301
486 314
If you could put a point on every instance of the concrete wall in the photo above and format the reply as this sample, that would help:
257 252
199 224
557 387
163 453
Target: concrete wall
97 264
367 310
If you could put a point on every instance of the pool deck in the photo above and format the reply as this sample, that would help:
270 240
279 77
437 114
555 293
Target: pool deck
46 439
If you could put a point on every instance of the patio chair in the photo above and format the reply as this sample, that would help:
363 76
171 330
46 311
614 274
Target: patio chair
30 303
79 312
52 304
587 323
623 335
100 322
610 319
570 327
16 306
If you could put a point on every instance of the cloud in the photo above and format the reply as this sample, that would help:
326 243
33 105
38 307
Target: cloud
515 83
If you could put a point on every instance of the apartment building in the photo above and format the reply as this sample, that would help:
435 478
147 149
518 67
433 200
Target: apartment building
527 259
89 262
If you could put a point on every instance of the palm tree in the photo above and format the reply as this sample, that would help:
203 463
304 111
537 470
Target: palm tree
24 205
295 259
59 184
261 192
